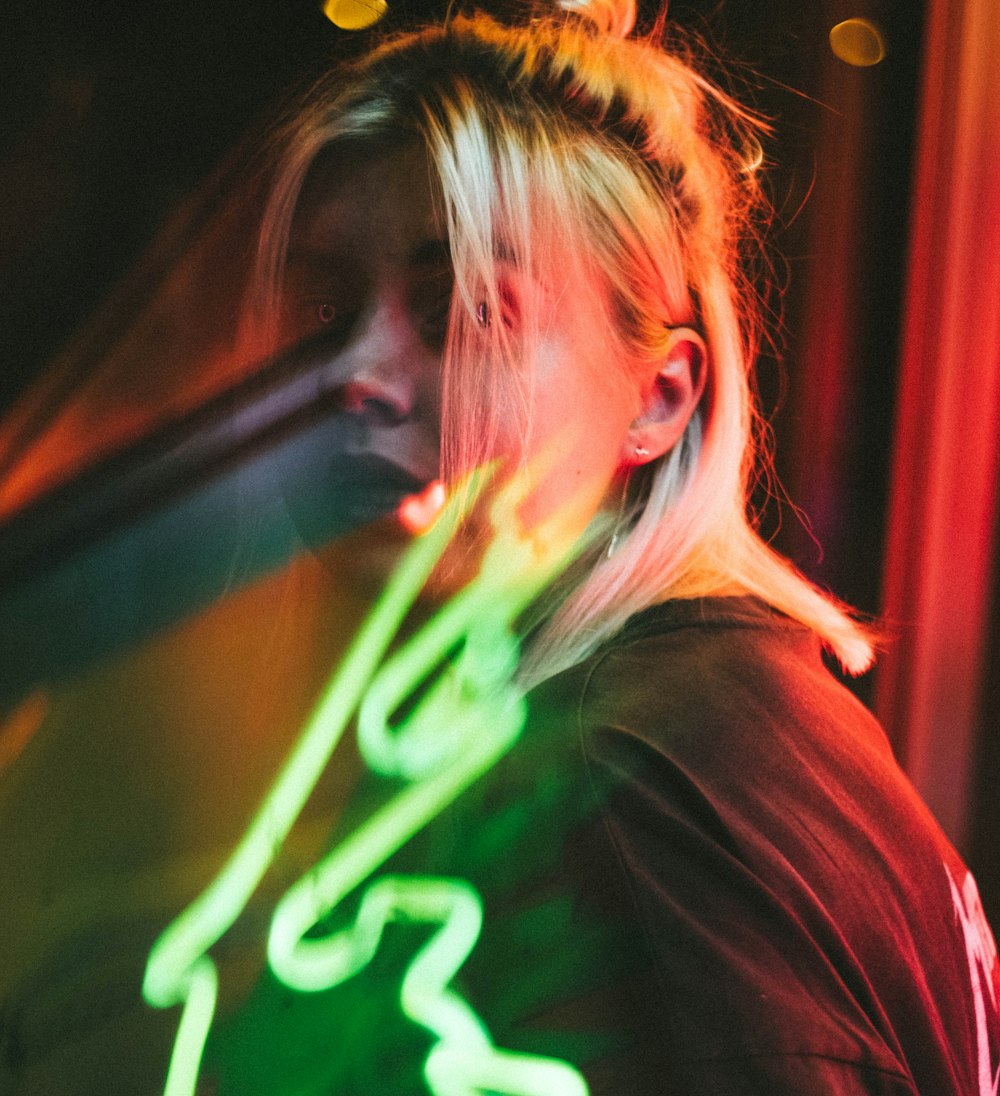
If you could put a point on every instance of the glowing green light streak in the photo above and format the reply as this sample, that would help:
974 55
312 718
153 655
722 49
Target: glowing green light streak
474 699
464 1062
468 718
319 963
434 732
453 1072
425 995
177 971
201 991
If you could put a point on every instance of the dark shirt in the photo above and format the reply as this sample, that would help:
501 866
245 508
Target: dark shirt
808 926
701 871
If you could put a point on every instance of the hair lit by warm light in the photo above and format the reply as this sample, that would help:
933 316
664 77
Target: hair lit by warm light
606 159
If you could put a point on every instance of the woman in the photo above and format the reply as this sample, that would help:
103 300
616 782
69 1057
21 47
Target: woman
524 246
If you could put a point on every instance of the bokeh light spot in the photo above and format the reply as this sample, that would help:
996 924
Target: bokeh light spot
354 14
858 42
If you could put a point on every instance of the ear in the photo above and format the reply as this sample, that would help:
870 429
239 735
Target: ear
669 399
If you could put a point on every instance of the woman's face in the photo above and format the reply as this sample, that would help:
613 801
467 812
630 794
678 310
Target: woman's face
369 264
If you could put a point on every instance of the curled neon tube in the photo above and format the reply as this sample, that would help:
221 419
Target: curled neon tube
469 718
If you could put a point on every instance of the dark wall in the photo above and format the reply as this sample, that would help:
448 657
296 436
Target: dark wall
113 114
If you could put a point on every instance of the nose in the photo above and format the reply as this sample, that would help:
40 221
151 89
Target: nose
379 369
381 403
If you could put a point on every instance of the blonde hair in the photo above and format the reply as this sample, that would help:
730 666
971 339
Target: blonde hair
560 141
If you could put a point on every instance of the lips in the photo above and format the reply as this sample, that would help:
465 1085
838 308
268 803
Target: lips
346 492
370 486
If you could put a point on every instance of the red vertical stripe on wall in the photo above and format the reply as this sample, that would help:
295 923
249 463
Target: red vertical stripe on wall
939 557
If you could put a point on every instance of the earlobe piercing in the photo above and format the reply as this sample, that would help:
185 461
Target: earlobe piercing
641 451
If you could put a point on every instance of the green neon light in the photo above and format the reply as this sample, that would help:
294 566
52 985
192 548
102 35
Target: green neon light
464 1061
469 717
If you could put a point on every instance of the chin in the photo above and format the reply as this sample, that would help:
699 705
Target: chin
363 561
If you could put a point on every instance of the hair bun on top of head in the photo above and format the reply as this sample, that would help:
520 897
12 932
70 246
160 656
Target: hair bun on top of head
616 18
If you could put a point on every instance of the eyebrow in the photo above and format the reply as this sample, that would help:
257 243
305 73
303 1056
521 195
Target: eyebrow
313 258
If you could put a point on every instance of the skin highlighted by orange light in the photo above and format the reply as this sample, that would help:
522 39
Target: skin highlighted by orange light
418 513
21 725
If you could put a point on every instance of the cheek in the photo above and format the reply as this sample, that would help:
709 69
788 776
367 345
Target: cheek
581 408
576 447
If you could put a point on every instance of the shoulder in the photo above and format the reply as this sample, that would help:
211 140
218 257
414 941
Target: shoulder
776 859
723 681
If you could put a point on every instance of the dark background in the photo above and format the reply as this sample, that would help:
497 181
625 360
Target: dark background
112 115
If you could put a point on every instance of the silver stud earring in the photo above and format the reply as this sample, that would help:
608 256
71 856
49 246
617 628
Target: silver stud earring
641 451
